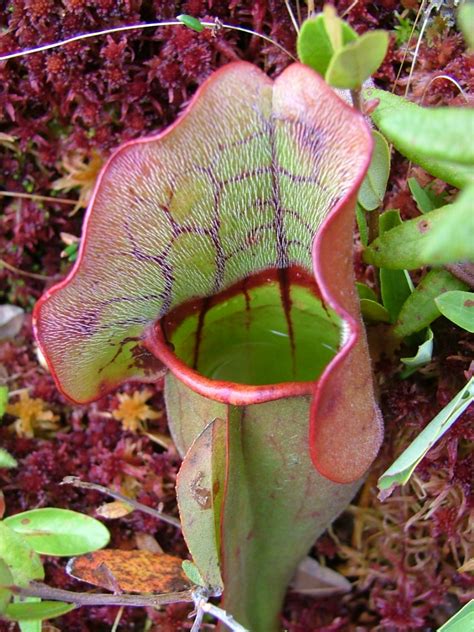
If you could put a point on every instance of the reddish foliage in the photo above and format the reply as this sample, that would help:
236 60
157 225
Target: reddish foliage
93 95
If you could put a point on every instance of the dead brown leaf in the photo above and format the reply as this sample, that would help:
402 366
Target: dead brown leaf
130 571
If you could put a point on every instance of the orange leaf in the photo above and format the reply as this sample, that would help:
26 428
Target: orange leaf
130 571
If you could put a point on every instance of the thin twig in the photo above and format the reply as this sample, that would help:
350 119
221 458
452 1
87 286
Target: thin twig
447 78
120 29
298 11
38 589
76 482
260 35
427 15
349 9
292 16
35 196
356 96
221 615
198 620
117 620
405 55
32 275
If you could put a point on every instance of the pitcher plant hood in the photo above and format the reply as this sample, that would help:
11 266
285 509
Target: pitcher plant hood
256 175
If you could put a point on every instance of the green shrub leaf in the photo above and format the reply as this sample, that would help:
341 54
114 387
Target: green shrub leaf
425 198
29 626
314 45
458 306
24 564
6 459
461 621
441 133
395 285
364 291
357 61
374 311
192 23
192 573
452 236
362 225
373 187
395 289
437 139
466 22
422 356
3 399
6 579
61 532
38 611
420 309
445 235
401 470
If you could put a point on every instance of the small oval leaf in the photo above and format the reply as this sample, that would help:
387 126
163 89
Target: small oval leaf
23 563
191 22
434 138
458 306
38 611
419 310
314 45
364 291
372 190
31 626
60 532
401 470
6 459
426 199
192 572
445 235
6 579
3 399
422 356
374 311
465 21
356 61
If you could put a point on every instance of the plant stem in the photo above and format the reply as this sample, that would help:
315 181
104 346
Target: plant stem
356 96
35 196
37 589
197 620
120 29
32 275
221 615
373 224
117 620
76 482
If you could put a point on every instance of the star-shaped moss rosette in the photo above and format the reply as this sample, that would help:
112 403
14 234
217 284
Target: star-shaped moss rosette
221 249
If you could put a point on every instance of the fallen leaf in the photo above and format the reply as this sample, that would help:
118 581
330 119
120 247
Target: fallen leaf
315 580
467 567
146 542
130 571
160 438
11 320
114 510
69 239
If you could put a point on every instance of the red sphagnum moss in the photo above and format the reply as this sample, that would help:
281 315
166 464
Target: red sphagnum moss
61 114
